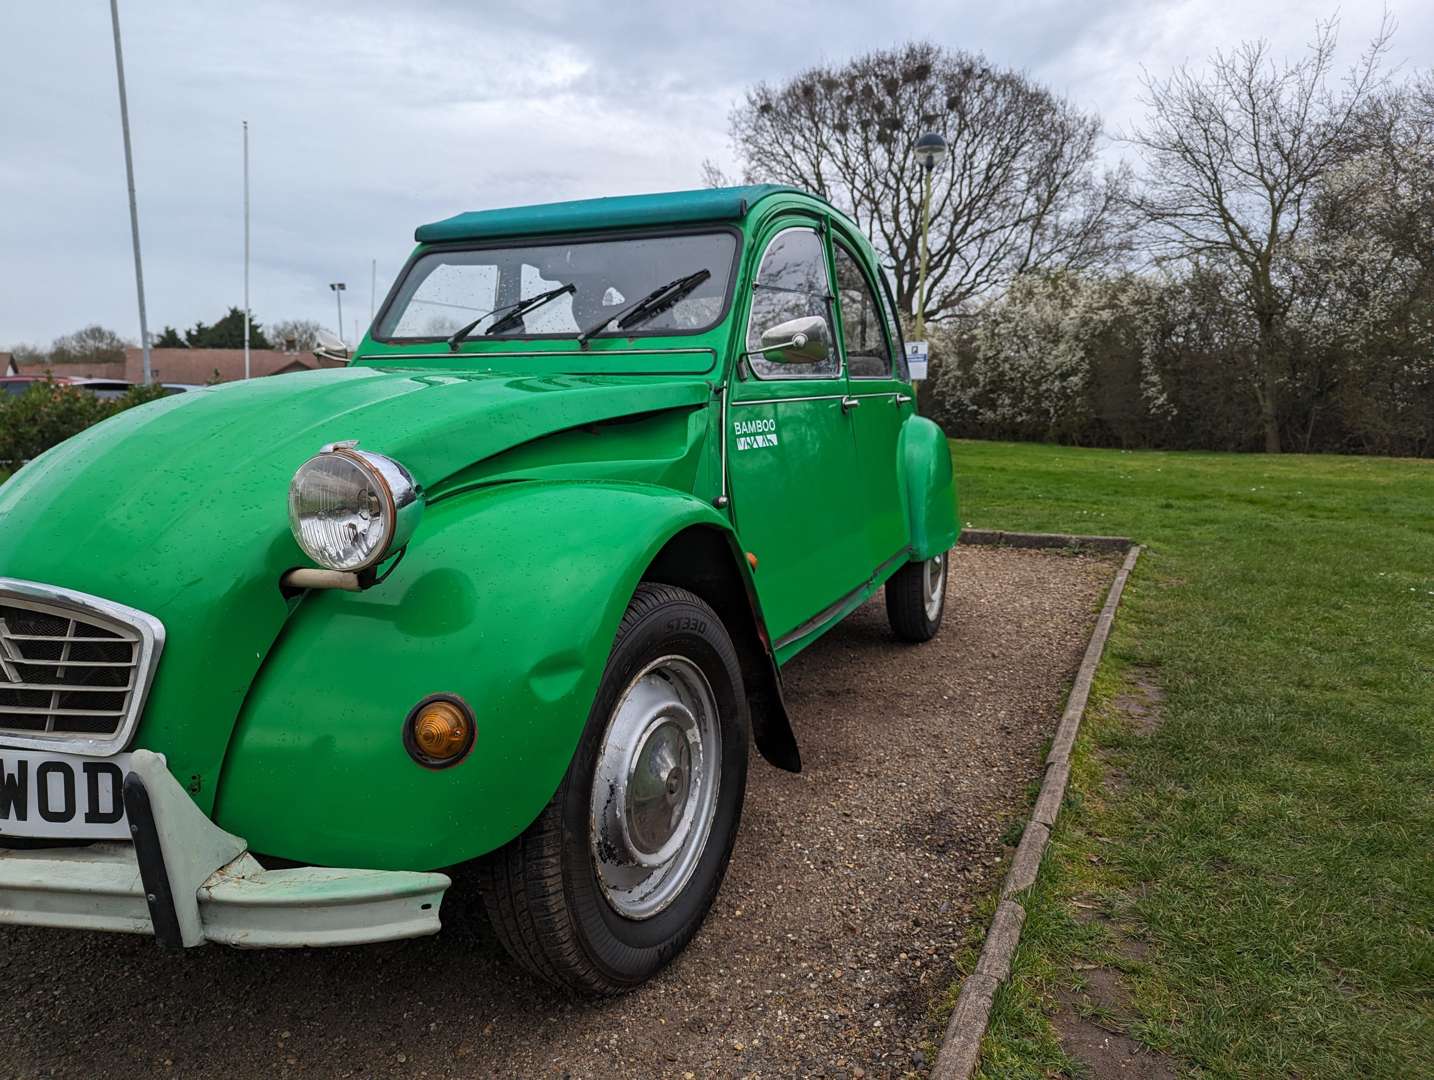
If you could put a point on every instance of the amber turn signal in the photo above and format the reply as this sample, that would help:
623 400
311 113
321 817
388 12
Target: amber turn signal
439 731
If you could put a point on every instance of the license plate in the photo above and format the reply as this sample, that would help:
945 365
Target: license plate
47 795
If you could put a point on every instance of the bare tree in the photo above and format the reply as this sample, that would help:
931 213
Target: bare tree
23 353
713 175
1019 189
88 345
296 335
1234 154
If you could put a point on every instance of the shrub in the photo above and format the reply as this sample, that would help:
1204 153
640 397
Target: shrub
48 413
1061 358
1163 361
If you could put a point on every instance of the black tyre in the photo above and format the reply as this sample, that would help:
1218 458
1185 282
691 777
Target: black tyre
617 873
916 598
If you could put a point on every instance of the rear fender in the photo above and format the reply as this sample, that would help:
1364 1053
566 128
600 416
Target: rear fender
925 457
509 597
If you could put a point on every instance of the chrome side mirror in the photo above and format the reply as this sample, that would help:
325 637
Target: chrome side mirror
331 347
796 341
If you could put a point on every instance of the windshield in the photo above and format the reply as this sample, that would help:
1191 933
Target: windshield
444 291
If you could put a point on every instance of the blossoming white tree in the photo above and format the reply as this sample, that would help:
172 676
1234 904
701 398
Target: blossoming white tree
1233 154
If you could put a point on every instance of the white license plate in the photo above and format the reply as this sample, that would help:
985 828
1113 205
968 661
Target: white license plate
44 794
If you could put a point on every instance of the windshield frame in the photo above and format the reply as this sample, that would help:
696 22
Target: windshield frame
552 239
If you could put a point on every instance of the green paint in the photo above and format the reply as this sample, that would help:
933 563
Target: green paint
553 476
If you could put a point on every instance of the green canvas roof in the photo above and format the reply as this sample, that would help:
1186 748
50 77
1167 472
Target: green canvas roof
582 215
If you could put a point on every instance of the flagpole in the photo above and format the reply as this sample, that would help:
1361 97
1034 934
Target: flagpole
246 249
133 206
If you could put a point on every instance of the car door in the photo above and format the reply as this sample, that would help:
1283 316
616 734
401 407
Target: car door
790 448
872 353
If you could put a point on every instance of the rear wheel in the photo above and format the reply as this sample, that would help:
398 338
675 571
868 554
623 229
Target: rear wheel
916 598
617 873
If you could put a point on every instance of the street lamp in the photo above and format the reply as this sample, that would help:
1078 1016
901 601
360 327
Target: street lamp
930 149
339 287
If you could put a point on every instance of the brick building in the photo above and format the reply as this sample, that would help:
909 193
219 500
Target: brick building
197 366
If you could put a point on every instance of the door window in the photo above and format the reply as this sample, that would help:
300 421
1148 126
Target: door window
893 327
868 352
791 283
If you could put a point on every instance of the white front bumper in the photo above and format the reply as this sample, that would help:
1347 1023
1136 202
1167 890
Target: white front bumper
216 890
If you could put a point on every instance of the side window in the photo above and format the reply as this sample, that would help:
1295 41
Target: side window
868 353
893 327
791 283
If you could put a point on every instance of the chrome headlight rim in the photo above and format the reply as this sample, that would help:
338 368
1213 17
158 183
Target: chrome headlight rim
400 495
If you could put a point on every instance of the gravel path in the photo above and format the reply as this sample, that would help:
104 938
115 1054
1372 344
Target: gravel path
850 886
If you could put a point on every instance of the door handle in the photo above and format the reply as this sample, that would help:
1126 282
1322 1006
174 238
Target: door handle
849 403
903 399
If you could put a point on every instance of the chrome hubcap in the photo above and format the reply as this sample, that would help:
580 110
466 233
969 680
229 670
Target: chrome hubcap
657 793
933 580
654 791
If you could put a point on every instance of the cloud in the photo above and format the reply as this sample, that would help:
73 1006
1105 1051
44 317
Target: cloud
368 118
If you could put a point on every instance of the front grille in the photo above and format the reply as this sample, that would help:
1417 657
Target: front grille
74 669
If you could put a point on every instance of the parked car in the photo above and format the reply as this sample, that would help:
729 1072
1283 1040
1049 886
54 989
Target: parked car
106 389
15 385
514 589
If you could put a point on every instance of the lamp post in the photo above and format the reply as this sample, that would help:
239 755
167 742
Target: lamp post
339 287
930 149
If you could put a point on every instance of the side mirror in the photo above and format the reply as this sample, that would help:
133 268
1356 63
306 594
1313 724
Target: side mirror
796 341
331 347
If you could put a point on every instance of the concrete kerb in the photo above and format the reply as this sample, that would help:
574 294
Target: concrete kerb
1002 937
998 538
1027 863
961 1045
961 1049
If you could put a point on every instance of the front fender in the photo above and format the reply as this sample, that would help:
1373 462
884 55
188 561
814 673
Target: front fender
510 597
925 457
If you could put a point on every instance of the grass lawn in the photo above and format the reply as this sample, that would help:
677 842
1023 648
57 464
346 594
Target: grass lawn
1269 848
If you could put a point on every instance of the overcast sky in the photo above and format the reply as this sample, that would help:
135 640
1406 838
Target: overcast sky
368 118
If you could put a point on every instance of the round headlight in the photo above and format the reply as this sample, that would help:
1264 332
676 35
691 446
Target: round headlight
349 508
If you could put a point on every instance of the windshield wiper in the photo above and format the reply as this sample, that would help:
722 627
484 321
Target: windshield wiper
519 308
654 303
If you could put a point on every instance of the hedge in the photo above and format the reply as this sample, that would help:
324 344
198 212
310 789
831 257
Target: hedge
49 413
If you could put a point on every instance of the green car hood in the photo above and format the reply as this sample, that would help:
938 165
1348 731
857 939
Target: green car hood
178 508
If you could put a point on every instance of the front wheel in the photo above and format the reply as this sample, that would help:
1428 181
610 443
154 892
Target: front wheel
617 873
916 598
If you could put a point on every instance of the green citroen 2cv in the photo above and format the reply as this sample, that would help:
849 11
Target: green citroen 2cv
515 587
